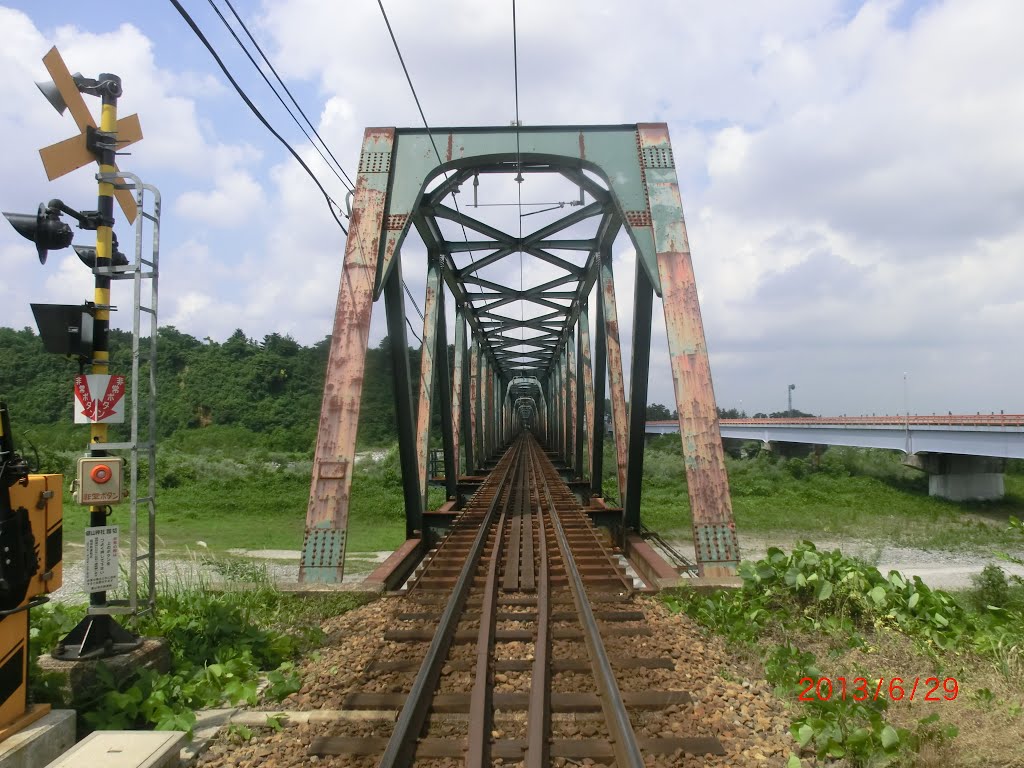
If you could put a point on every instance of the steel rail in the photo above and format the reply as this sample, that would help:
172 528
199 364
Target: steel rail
401 749
538 718
624 743
481 712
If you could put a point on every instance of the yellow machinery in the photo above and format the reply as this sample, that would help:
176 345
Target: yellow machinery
31 551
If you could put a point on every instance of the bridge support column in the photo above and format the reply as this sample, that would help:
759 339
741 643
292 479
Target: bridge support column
961 478
446 383
323 549
714 530
474 457
643 304
586 457
405 416
572 363
597 423
616 379
426 388
460 410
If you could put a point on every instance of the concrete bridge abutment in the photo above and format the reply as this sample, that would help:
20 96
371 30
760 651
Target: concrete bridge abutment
958 477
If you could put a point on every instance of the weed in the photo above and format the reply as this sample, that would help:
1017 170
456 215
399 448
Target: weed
808 593
222 644
991 587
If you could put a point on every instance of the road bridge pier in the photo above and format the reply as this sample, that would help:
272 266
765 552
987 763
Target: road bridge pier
961 478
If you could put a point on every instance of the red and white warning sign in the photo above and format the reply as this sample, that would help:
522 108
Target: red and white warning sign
99 398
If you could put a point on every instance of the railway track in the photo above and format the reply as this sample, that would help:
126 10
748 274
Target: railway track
519 631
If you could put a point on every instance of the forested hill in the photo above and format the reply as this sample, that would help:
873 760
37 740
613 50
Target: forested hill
271 388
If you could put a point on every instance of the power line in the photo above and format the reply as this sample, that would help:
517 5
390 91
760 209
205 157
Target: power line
413 300
209 47
423 117
413 330
519 172
351 184
275 91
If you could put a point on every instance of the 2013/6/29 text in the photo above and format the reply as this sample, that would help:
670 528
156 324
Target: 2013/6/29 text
893 688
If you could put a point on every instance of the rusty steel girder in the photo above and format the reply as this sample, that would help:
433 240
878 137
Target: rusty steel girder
323 548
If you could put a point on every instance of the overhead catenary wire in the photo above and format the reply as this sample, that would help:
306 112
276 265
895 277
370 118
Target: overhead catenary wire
351 184
519 179
291 114
423 117
347 180
519 175
331 203
412 330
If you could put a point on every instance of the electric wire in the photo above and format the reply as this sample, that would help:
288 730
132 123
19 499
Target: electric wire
331 203
413 331
351 184
280 98
423 117
519 175
346 181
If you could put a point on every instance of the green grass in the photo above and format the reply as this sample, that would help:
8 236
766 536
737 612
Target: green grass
251 498
257 500
849 493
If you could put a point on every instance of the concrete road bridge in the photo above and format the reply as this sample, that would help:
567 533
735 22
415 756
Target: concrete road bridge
964 455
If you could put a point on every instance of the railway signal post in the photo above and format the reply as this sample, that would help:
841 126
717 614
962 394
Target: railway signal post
99 484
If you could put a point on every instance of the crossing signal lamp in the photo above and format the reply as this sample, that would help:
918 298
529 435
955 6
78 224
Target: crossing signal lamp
50 233
45 229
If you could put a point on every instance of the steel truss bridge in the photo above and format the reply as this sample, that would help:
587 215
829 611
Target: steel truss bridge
534 368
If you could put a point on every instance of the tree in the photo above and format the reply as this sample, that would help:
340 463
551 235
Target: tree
658 412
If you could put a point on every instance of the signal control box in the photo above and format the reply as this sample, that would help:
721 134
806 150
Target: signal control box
100 480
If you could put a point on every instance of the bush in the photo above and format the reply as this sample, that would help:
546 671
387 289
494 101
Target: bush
991 587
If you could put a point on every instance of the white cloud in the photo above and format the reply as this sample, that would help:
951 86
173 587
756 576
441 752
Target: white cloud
236 198
851 178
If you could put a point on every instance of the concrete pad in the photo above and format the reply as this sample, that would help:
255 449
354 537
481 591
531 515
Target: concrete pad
124 749
41 742
78 678
708 584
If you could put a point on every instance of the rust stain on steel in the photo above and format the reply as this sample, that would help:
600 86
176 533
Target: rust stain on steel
448 152
426 387
456 415
570 353
615 376
485 407
339 413
583 147
490 417
563 401
706 476
588 391
474 396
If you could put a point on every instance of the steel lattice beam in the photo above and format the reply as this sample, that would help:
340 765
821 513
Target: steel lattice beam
408 179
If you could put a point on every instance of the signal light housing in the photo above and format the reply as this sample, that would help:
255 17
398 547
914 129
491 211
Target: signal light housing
45 229
66 329
87 254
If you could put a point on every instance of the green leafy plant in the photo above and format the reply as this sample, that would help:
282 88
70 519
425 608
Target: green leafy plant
847 600
222 645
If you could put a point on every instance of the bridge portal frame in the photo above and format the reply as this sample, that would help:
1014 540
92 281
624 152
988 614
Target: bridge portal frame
639 194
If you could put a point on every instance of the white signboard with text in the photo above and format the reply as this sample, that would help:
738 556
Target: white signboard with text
101 558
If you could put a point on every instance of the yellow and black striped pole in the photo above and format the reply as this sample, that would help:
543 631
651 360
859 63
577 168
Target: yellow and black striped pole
104 259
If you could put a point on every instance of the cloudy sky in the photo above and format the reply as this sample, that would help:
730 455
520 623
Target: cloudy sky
852 173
